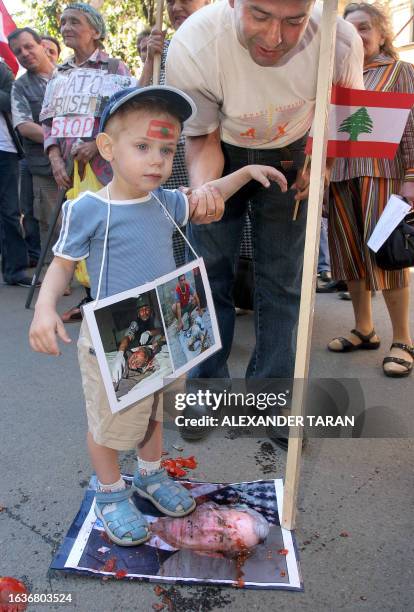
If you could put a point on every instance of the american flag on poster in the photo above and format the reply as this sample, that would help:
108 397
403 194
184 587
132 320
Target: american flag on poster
7 26
365 123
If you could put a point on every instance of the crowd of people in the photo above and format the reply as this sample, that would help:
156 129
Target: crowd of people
242 65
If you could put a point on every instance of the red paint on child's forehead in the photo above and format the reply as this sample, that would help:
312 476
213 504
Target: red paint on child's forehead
163 130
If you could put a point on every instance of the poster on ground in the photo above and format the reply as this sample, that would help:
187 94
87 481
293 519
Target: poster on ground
233 538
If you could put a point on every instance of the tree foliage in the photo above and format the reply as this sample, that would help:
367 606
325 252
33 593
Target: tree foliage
124 20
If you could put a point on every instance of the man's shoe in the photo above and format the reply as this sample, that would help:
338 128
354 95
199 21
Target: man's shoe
25 281
332 287
325 276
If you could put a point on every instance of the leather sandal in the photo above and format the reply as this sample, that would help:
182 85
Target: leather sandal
365 345
403 362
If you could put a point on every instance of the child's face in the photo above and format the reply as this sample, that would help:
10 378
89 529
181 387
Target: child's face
142 149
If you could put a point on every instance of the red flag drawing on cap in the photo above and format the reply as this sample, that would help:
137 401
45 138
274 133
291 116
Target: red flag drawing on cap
7 26
365 123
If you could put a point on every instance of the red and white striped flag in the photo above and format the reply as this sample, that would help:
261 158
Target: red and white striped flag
7 25
365 123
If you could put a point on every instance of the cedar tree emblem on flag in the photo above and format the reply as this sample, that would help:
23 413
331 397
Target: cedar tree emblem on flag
356 124
365 123
161 129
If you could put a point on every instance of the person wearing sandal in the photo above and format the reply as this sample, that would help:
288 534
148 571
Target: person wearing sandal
360 189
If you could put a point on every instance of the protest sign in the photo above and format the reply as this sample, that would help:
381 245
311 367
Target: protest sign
81 92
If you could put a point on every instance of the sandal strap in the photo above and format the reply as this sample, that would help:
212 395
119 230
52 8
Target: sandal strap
344 341
403 362
404 347
363 338
104 497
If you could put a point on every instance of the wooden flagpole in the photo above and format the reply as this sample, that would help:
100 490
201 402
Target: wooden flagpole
313 224
157 58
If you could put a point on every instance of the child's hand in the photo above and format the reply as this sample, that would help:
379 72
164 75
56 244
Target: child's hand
45 326
206 204
265 174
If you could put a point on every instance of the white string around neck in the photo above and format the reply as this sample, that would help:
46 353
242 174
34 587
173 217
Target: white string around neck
108 217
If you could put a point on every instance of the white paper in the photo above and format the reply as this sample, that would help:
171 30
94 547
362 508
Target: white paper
394 212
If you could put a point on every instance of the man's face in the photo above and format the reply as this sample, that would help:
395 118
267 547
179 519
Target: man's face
181 281
51 50
210 528
269 29
179 10
29 53
144 313
138 359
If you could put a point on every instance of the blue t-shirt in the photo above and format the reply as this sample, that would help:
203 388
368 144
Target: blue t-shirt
139 247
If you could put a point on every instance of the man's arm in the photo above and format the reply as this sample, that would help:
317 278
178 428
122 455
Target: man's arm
204 158
31 130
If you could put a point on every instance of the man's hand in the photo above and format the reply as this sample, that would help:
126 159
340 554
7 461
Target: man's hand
59 171
407 190
46 325
206 205
145 336
266 174
303 181
118 367
84 151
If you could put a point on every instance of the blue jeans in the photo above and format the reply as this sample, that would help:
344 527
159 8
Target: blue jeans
13 248
324 261
278 244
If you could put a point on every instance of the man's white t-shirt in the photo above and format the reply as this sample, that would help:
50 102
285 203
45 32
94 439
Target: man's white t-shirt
255 107
6 142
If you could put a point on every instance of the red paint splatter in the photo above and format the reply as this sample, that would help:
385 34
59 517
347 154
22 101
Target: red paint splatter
158 590
188 462
10 586
110 565
283 573
158 606
121 574
283 551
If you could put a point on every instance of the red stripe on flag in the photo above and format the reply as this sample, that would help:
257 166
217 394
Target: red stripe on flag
358 97
345 148
9 58
7 26
381 99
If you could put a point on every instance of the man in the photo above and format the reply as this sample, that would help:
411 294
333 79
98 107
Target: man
27 97
52 47
143 328
186 300
251 67
14 259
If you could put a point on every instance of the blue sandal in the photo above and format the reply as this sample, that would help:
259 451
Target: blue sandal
121 519
170 497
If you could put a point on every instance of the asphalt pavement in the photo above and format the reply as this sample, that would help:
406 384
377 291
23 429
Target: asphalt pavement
355 509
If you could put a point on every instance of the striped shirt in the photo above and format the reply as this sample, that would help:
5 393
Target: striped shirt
139 247
384 74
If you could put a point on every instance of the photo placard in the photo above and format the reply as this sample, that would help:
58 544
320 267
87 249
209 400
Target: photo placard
146 336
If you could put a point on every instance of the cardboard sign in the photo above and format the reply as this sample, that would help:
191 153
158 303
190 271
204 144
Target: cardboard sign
72 127
81 92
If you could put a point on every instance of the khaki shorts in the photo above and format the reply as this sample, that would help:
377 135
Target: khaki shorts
120 431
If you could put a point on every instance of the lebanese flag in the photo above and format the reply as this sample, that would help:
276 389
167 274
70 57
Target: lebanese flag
7 26
365 123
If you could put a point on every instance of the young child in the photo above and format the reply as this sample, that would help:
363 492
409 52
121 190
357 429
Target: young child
139 133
